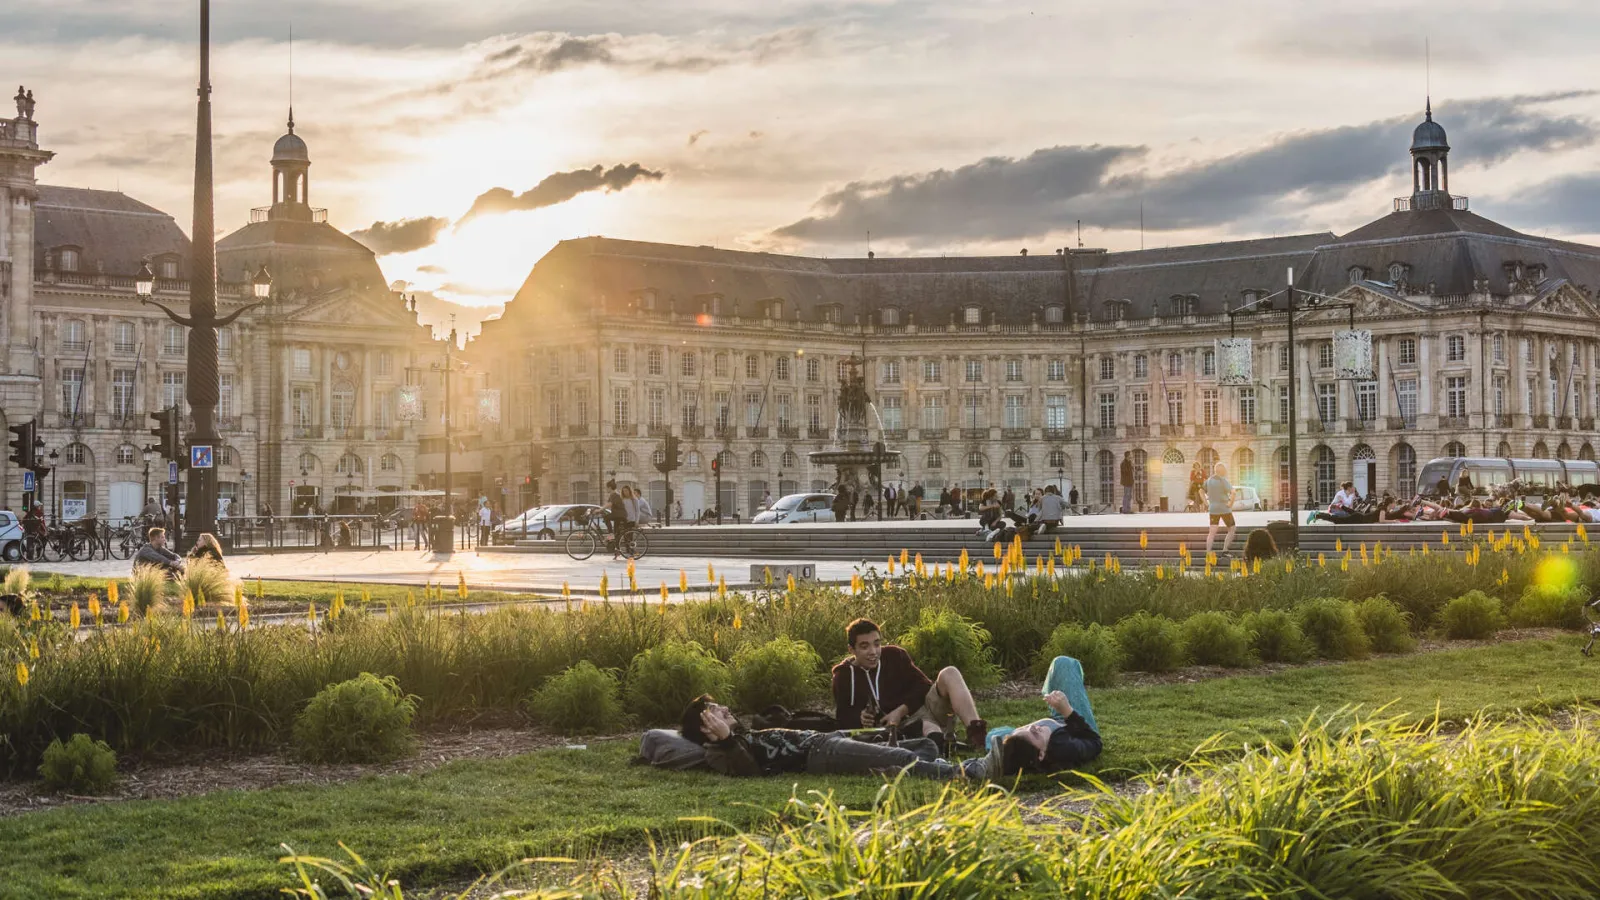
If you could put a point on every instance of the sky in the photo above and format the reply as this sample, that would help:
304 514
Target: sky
461 141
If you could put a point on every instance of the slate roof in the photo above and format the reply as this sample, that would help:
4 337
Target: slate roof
115 232
306 257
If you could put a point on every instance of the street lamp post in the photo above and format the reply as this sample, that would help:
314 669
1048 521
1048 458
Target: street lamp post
55 506
445 525
149 455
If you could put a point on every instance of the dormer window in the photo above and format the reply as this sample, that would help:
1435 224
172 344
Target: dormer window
1250 297
1183 304
1357 273
1116 310
830 313
889 316
1536 274
646 300
1054 315
972 315
68 259
773 309
1397 273
166 267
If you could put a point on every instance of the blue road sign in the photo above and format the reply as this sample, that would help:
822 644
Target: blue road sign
27 481
200 456
172 472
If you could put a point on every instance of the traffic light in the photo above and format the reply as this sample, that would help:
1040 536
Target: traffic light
670 459
716 467
22 445
536 463
166 432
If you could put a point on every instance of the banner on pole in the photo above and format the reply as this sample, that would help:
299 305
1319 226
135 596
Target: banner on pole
489 406
1235 361
1352 354
408 400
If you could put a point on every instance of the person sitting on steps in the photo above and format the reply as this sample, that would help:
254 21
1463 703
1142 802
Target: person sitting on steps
878 686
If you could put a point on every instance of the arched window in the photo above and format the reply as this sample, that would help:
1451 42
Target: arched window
1564 451
1405 470
1054 315
389 463
725 460
1172 457
625 459
1586 451
935 460
128 455
1326 470
758 460
1397 272
77 455
889 315
348 464
691 460
1455 449
1208 459
975 460
1016 460
1058 459
1356 274
790 460
1106 468
308 462
1540 451
1244 467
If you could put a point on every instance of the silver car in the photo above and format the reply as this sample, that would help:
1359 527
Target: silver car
549 522
797 508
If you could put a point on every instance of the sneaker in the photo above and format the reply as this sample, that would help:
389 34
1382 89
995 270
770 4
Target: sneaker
940 743
977 734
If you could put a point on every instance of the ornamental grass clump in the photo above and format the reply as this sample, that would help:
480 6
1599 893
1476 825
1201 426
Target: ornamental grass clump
1275 636
944 638
583 699
1330 624
18 581
782 671
148 586
1387 627
1151 643
1214 639
1473 616
1542 606
1094 646
364 720
80 766
662 680
208 582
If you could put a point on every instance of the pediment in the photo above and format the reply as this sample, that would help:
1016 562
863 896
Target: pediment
358 310
1369 303
1562 299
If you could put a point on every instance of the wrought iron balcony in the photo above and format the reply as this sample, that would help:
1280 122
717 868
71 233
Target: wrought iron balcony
1015 434
1501 420
1172 431
577 431
756 431
1057 434
1453 423
1541 421
974 434
788 431
1401 423
693 431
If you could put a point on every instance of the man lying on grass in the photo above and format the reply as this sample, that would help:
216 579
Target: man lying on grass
734 750
879 686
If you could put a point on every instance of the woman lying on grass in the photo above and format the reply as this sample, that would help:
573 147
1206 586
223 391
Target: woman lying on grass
1069 738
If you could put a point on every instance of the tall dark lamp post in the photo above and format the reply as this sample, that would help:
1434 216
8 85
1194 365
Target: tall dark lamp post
202 321
55 506
149 455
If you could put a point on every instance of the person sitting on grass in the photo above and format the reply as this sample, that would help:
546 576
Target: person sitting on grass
732 749
206 547
878 686
155 553
1069 738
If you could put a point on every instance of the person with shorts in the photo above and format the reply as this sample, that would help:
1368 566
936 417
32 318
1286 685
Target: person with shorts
1219 504
878 686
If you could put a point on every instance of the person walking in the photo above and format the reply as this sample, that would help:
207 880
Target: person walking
419 526
1219 506
1127 482
485 522
917 492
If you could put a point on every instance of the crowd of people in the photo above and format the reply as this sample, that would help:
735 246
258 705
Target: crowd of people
1514 501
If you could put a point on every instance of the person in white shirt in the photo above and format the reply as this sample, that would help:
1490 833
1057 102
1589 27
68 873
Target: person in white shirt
645 512
1346 498
485 519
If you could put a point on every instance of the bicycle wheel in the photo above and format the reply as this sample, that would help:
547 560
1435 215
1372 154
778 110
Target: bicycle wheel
55 548
80 546
581 544
121 546
635 544
33 548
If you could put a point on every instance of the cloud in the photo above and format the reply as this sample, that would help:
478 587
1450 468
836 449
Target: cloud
559 188
695 137
548 52
401 236
1001 197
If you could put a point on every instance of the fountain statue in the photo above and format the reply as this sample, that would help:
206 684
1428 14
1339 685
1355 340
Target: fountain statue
851 454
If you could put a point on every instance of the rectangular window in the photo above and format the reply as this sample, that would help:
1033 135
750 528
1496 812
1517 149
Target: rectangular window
1141 409
932 371
302 361
752 366
814 370
171 389
933 414
1055 412
619 360
1455 348
1055 370
1013 370
689 410
621 412
1455 397
225 395
1405 391
1016 413
783 413
383 410
893 415
1325 355
1499 348
122 393
972 411
224 343
1141 366
303 401
722 408
553 365
1407 353
689 364
1108 409
752 410
1174 364
174 342
385 364
814 412
580 405
1175 409
1107 368
1499 396
1283 403
891 371
552 408
1529 399
342 408
1247 406
1367 400
1283 357
1208 362
974 370
1327 402
122 341
656 407
1210 404
71 390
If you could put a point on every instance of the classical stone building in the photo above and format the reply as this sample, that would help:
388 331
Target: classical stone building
1028 369
308 380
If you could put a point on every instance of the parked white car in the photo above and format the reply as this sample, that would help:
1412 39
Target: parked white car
796 508
1245 497
547 522
10 536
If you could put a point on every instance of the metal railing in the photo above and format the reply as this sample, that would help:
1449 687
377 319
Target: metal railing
255 534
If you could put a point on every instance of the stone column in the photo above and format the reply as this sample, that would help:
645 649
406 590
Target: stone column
326 388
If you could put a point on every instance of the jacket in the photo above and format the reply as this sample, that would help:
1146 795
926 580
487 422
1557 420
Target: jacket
899 683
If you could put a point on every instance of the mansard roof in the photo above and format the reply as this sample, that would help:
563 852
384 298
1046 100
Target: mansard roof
114 233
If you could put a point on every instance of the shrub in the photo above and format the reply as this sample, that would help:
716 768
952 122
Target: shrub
365 719
581 699
147 588
80 766
1150 643
1333 629
1472 616
662 680
1214 639
1388 629
782 671
209 582
18 580
1094 646
1275 636
943 638
1549 607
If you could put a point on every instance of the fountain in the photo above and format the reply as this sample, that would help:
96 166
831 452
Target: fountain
851 455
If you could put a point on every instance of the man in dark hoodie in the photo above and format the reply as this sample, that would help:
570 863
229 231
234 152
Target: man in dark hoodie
878 686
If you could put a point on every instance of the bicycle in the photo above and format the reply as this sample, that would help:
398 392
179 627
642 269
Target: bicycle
58 543
591 535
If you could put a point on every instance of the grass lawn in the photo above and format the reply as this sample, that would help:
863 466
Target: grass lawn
57 588
468 816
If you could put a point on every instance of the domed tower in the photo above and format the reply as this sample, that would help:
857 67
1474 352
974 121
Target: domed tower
291 177
1430 164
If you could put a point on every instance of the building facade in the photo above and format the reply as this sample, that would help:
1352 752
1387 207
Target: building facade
309 379
1032 370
